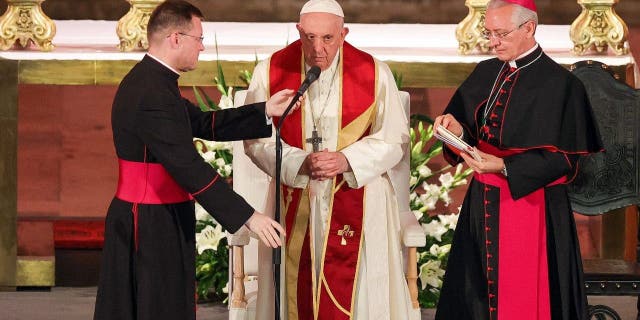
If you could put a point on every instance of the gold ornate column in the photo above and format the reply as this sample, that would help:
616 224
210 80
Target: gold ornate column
599 26
132 28
25 21
469 30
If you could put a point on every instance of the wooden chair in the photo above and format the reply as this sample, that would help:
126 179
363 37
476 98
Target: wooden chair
243 256
611 179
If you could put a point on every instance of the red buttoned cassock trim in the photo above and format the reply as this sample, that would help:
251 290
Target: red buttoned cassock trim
522 249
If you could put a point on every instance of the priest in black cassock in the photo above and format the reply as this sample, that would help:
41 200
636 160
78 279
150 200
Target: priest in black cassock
515 252
148 264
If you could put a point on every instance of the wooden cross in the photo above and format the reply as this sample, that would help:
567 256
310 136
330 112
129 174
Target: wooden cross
315 140
346 232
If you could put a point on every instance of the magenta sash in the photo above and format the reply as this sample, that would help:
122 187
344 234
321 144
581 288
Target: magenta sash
523 280
148 183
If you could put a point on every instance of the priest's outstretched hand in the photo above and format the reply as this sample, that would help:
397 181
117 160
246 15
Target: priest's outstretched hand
278 103
266 228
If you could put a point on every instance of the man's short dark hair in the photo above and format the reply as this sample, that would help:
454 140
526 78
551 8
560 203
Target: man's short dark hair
172 14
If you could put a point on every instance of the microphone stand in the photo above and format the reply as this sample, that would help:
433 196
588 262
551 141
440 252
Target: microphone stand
277 251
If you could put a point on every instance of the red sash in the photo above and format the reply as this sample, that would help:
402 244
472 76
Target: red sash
523 280
336 290
148 183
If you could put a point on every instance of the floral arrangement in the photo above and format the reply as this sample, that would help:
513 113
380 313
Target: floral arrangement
212 267
424 195
212 259
211 242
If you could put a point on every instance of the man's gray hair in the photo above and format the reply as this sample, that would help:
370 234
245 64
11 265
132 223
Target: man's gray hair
520 13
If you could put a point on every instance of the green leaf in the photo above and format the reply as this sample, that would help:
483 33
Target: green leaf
201 103
397 77
245 76
226 155
435 149
212 105
219 80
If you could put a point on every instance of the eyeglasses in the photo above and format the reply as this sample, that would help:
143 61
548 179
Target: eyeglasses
486 34
199 39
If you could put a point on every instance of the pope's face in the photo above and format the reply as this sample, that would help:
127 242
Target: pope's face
508 39
190 46
322 35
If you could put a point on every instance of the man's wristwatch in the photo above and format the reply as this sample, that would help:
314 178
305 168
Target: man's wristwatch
504 170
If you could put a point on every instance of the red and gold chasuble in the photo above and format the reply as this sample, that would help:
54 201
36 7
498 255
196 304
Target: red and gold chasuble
335 294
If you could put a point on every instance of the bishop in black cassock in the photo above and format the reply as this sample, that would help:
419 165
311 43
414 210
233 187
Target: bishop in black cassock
515 252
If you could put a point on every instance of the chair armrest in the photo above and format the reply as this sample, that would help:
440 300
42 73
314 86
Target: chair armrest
240 238
412 232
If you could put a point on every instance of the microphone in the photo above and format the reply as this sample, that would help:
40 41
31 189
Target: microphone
312 75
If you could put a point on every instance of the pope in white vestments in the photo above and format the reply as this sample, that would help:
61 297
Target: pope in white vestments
343 256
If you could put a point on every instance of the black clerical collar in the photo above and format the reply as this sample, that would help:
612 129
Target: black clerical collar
527 57
160 67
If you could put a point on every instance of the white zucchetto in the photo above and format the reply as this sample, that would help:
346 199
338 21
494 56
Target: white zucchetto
327 6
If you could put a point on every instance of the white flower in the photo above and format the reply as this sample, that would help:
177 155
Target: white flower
431 274
418 214
209 238
435 229
446 180
413 180
444 196
209 156
460 182
225 170
430 197
458 169
226 101
217 145
424 171
220 163
434 249
428 201
449 220
439 251
202 214
431 188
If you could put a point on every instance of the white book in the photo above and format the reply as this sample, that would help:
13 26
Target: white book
452 140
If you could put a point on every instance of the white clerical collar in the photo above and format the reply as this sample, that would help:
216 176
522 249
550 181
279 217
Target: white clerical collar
513 64
162 63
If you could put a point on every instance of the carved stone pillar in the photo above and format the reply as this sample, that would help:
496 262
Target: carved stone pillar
598 26
132 27
469 30
24 22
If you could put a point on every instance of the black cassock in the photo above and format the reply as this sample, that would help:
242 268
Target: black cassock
540 121
148 265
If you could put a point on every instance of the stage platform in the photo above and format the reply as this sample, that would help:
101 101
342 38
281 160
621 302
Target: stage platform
77 304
